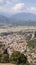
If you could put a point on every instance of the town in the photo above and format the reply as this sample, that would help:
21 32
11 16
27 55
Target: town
19 41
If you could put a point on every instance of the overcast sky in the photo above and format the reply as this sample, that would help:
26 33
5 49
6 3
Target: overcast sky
17 6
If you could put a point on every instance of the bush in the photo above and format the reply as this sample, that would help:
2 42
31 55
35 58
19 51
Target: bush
18 58
32 43
0 58
4 58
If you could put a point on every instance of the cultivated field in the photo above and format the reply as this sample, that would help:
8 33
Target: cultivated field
17 28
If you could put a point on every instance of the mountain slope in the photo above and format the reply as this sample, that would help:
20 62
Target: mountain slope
19 19
24 16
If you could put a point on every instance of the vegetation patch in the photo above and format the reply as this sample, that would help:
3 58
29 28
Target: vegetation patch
18 58
15 58
32 43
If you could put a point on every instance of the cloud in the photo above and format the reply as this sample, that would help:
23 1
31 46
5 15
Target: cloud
21 7
1 0
18 7
8 3
1 8
31 10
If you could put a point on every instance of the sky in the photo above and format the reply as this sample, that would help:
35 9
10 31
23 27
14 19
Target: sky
17 6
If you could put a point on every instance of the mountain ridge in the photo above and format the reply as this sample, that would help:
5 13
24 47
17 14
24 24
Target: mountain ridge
19 19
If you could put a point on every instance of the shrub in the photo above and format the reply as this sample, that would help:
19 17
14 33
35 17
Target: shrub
4 58
18 58
0 58
32 43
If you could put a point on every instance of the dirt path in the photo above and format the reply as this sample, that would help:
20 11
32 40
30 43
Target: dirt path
6 64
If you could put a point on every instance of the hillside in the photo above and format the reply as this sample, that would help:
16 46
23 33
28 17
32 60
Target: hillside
19 19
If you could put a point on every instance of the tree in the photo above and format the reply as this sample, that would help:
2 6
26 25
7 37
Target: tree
18 58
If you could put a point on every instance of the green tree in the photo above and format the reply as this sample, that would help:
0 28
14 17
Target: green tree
18 58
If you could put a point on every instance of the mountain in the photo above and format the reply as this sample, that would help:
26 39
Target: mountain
3 19
24 16
19 19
